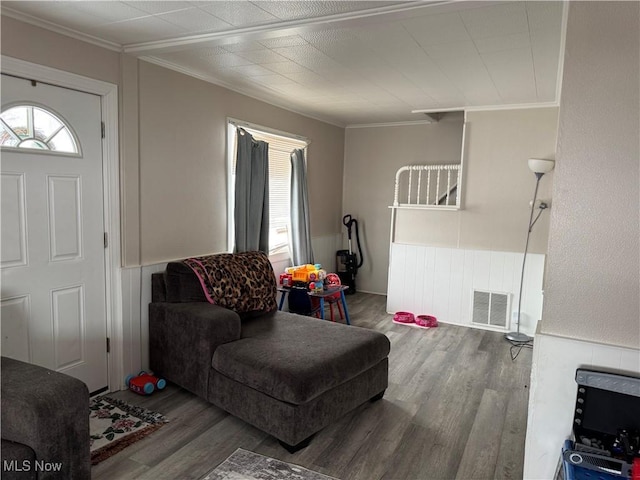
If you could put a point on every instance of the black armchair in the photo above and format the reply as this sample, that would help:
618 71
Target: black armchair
45 423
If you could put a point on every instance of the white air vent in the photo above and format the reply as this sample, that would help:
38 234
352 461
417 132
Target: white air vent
491 309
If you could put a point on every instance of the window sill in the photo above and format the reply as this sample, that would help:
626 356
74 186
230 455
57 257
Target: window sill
279 257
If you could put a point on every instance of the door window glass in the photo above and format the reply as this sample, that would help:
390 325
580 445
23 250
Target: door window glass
34 128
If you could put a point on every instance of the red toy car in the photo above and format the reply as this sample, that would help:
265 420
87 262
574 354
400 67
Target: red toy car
144 383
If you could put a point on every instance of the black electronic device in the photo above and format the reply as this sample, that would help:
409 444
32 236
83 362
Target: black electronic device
606 423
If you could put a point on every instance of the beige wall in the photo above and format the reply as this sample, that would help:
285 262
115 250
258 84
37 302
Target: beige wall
129 161
372 157
183 163
592 290
498 184
37 45
173 147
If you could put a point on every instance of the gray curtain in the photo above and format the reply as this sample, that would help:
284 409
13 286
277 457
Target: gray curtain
300 225
252 194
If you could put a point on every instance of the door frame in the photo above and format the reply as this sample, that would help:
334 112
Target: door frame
108 94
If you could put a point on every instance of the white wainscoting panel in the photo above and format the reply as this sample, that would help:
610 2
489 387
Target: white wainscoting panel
552 394
440 281
132 341
145 300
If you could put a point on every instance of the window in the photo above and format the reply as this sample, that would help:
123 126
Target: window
281 145
34 128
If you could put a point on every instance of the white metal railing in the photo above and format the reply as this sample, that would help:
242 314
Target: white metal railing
428 186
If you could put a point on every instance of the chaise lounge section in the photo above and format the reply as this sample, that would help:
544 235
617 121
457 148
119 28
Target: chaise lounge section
285 374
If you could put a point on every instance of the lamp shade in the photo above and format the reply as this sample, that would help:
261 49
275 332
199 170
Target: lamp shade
541 165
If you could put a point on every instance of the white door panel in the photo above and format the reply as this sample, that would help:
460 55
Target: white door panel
53 272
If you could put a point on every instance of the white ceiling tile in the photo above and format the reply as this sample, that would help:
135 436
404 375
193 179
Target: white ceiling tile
307 56
226 60
546 59
435 83
471 79
138 30
436 29
286 67
512 74
307 78
544 15
161 6
110 11
298 91
285 41
273 79
506 42
455 50
252 70
206 51
333 35
496 20
263 57
238 14
243 46
194 20
349 54
289 10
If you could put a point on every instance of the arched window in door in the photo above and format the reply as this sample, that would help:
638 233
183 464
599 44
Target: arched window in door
34 128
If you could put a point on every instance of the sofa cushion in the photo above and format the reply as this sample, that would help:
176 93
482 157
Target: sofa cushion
243 282
294 359
182 284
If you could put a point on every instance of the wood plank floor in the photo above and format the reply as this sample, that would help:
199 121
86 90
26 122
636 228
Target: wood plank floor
456 408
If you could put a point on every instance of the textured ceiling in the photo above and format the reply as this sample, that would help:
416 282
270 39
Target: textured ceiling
346 62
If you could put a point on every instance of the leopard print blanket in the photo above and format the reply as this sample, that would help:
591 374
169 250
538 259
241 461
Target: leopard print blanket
243 282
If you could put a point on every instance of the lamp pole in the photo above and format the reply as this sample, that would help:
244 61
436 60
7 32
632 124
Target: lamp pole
517 336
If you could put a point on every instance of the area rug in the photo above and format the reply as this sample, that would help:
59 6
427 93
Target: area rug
245 465
114 425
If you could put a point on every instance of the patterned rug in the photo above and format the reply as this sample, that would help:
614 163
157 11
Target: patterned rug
245 465
115 425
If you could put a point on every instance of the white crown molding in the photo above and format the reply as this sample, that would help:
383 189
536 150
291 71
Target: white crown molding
563 42
512 106
54 27
390 124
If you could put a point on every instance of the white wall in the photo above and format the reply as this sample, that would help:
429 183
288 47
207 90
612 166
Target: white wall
591 315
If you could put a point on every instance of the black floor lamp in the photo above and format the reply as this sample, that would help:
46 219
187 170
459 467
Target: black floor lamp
539 166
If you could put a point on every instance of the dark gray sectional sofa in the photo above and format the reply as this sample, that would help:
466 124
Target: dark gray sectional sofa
285 374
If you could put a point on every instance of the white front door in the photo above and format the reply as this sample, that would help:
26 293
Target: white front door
52 252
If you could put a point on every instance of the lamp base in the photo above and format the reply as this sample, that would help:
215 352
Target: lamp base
518 337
